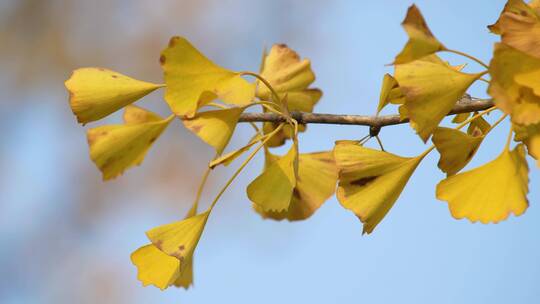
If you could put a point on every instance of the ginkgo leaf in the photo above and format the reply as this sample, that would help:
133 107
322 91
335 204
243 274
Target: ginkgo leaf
517 7
519 27
530 136
214 127
456 148
136 115
289 76
315 183
228 158
388 89
97 92
491 192
370 181
179 239
193 80
284 70
421 41
431 91
514 86
155 267
459 118
115 148
273 189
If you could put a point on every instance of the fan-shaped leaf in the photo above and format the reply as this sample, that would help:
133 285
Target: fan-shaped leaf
431 91
193 80
491 192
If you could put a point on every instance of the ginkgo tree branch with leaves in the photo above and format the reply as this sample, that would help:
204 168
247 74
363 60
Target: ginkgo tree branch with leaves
211 100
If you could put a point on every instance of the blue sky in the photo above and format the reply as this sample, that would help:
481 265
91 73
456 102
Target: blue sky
418 254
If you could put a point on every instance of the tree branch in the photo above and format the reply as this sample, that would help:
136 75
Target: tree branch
465 105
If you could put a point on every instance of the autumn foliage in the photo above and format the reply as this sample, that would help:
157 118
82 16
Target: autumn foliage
209 100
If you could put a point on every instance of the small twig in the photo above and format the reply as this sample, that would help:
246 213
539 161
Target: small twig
465 105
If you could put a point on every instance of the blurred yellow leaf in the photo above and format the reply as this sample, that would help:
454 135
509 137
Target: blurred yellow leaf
273 189
315 183
431 91
514 84
421 41
478 126
515 7
370 181
456 148
155 267
115 148
214 127
491 192
519 27
193 80
289 76
530 136
97 92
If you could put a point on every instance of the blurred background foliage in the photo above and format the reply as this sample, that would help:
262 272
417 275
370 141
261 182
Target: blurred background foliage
66 236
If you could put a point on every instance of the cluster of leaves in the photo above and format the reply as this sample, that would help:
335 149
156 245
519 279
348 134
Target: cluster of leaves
209 101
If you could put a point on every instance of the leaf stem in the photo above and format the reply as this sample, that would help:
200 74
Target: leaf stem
246 161
468 56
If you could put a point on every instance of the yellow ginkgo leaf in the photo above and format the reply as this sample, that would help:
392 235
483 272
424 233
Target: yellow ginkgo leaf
514 86
520 29
214 127
315 183
155 267
456 148
515 7
285 71
179 239
530 136
273 189
421 41
389 86
491 192
115 148
136 115
431 90
97 92
289 76
370 181
193 80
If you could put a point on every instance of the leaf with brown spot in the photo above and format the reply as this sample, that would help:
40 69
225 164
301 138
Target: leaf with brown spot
514 7
370 181
115 148
215 127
